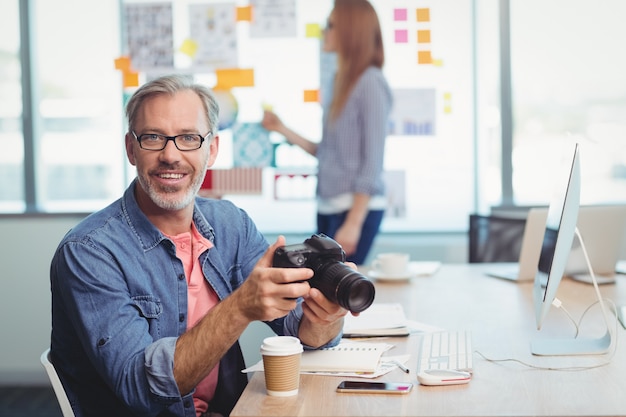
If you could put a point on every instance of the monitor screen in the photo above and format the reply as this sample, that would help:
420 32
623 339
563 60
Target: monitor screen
558 237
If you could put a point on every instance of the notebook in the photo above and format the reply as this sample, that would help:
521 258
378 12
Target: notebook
347 356
384 319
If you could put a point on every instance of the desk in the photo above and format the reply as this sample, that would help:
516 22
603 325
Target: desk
500 315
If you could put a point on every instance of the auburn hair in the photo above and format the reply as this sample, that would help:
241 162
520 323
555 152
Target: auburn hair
359 46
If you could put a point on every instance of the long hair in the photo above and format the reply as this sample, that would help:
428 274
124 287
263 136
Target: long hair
170 85
359 46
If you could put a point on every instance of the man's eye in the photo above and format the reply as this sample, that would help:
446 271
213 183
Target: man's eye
152 138
188 138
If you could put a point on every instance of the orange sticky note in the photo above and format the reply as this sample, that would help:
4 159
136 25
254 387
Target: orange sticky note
244 14
424 57
122 63
423 15
311 96
234 77
423 36
130 79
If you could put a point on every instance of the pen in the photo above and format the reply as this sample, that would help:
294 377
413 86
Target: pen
401 366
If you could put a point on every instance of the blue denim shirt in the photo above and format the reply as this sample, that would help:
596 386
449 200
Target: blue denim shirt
119 303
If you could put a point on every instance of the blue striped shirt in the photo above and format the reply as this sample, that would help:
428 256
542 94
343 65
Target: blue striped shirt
350 154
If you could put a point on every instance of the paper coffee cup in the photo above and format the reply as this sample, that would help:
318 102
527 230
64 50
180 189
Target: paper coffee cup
281 363
391 264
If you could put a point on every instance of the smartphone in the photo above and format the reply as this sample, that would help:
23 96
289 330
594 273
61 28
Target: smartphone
375 387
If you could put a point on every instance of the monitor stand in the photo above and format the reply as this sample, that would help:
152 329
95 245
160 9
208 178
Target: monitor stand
578 346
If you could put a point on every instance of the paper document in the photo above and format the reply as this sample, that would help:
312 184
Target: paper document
385 319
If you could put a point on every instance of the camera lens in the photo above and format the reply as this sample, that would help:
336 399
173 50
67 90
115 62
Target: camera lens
344 286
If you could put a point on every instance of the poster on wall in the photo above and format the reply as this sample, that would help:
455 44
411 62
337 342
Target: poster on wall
414 112
273 18
149 35
212 27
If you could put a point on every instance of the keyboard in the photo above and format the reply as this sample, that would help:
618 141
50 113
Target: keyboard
446 350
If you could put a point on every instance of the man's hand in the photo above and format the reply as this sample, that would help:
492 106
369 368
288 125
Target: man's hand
270 293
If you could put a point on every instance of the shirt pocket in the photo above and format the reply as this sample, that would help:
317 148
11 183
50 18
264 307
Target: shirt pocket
149 308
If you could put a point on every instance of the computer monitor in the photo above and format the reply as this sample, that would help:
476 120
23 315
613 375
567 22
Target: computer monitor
557 242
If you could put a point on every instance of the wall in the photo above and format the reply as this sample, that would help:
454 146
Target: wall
27 246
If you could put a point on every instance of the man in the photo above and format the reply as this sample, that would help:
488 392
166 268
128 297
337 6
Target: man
150 294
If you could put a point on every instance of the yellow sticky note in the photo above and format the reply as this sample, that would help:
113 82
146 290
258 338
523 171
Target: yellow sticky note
423 15
423 36
267 107
122 63
313 30
244 14
311 96
189 47
130 79
438 62
234 77
424 57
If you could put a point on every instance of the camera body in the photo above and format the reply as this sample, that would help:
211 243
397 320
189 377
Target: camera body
338 282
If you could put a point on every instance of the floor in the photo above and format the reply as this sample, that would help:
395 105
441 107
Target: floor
28 402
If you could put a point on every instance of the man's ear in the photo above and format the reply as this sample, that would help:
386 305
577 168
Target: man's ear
130 152
213 150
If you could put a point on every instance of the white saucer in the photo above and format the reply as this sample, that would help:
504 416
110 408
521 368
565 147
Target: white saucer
388 277
419 268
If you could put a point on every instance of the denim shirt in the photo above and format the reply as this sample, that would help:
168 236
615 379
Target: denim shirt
119 303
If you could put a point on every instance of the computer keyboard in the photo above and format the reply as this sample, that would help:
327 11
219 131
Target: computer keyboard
446 350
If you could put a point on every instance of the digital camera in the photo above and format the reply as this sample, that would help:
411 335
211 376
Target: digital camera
338 282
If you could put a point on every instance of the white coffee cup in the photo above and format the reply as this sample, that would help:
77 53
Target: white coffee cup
391 264
281 364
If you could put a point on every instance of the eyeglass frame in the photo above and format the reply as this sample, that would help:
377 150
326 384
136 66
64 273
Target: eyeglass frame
173 139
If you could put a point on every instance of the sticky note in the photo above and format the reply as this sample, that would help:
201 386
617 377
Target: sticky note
313 30
311 96
189 47
130 79
424 57
438 62
399 15
423 15
234 77
122 63
401 36
423 36
243 14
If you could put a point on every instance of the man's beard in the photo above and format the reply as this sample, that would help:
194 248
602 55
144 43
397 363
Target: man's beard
159 196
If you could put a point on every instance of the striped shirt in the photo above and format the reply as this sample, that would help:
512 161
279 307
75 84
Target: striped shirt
351 152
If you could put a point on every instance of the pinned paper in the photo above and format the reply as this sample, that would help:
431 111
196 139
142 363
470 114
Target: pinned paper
424 57
313 30
399 15
130 79
189 47
423 15
423 36
244 14
229 78
311 96
401 36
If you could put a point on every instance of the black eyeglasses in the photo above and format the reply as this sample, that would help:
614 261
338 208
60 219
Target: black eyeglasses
184 142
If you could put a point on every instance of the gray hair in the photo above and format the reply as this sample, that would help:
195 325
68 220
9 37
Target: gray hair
171 84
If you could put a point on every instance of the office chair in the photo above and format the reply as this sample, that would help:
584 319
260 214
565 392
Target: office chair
495 238
59 391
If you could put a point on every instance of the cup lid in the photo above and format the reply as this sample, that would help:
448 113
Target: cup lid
281 345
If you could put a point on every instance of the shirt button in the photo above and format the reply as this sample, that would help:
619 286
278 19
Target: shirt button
187 403
181 318
181 277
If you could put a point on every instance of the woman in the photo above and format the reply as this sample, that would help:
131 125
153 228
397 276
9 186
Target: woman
350 190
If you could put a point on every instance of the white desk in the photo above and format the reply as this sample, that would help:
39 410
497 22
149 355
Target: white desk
501 316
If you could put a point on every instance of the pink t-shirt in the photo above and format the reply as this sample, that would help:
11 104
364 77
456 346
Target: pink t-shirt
200 298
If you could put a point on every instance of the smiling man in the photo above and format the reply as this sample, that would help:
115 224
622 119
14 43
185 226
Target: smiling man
150 294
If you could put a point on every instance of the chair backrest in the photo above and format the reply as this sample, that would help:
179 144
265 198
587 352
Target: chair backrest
59 391
495 239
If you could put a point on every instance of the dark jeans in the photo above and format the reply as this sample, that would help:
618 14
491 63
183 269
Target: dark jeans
329 223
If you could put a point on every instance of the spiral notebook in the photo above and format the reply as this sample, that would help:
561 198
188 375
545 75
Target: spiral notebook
345 357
